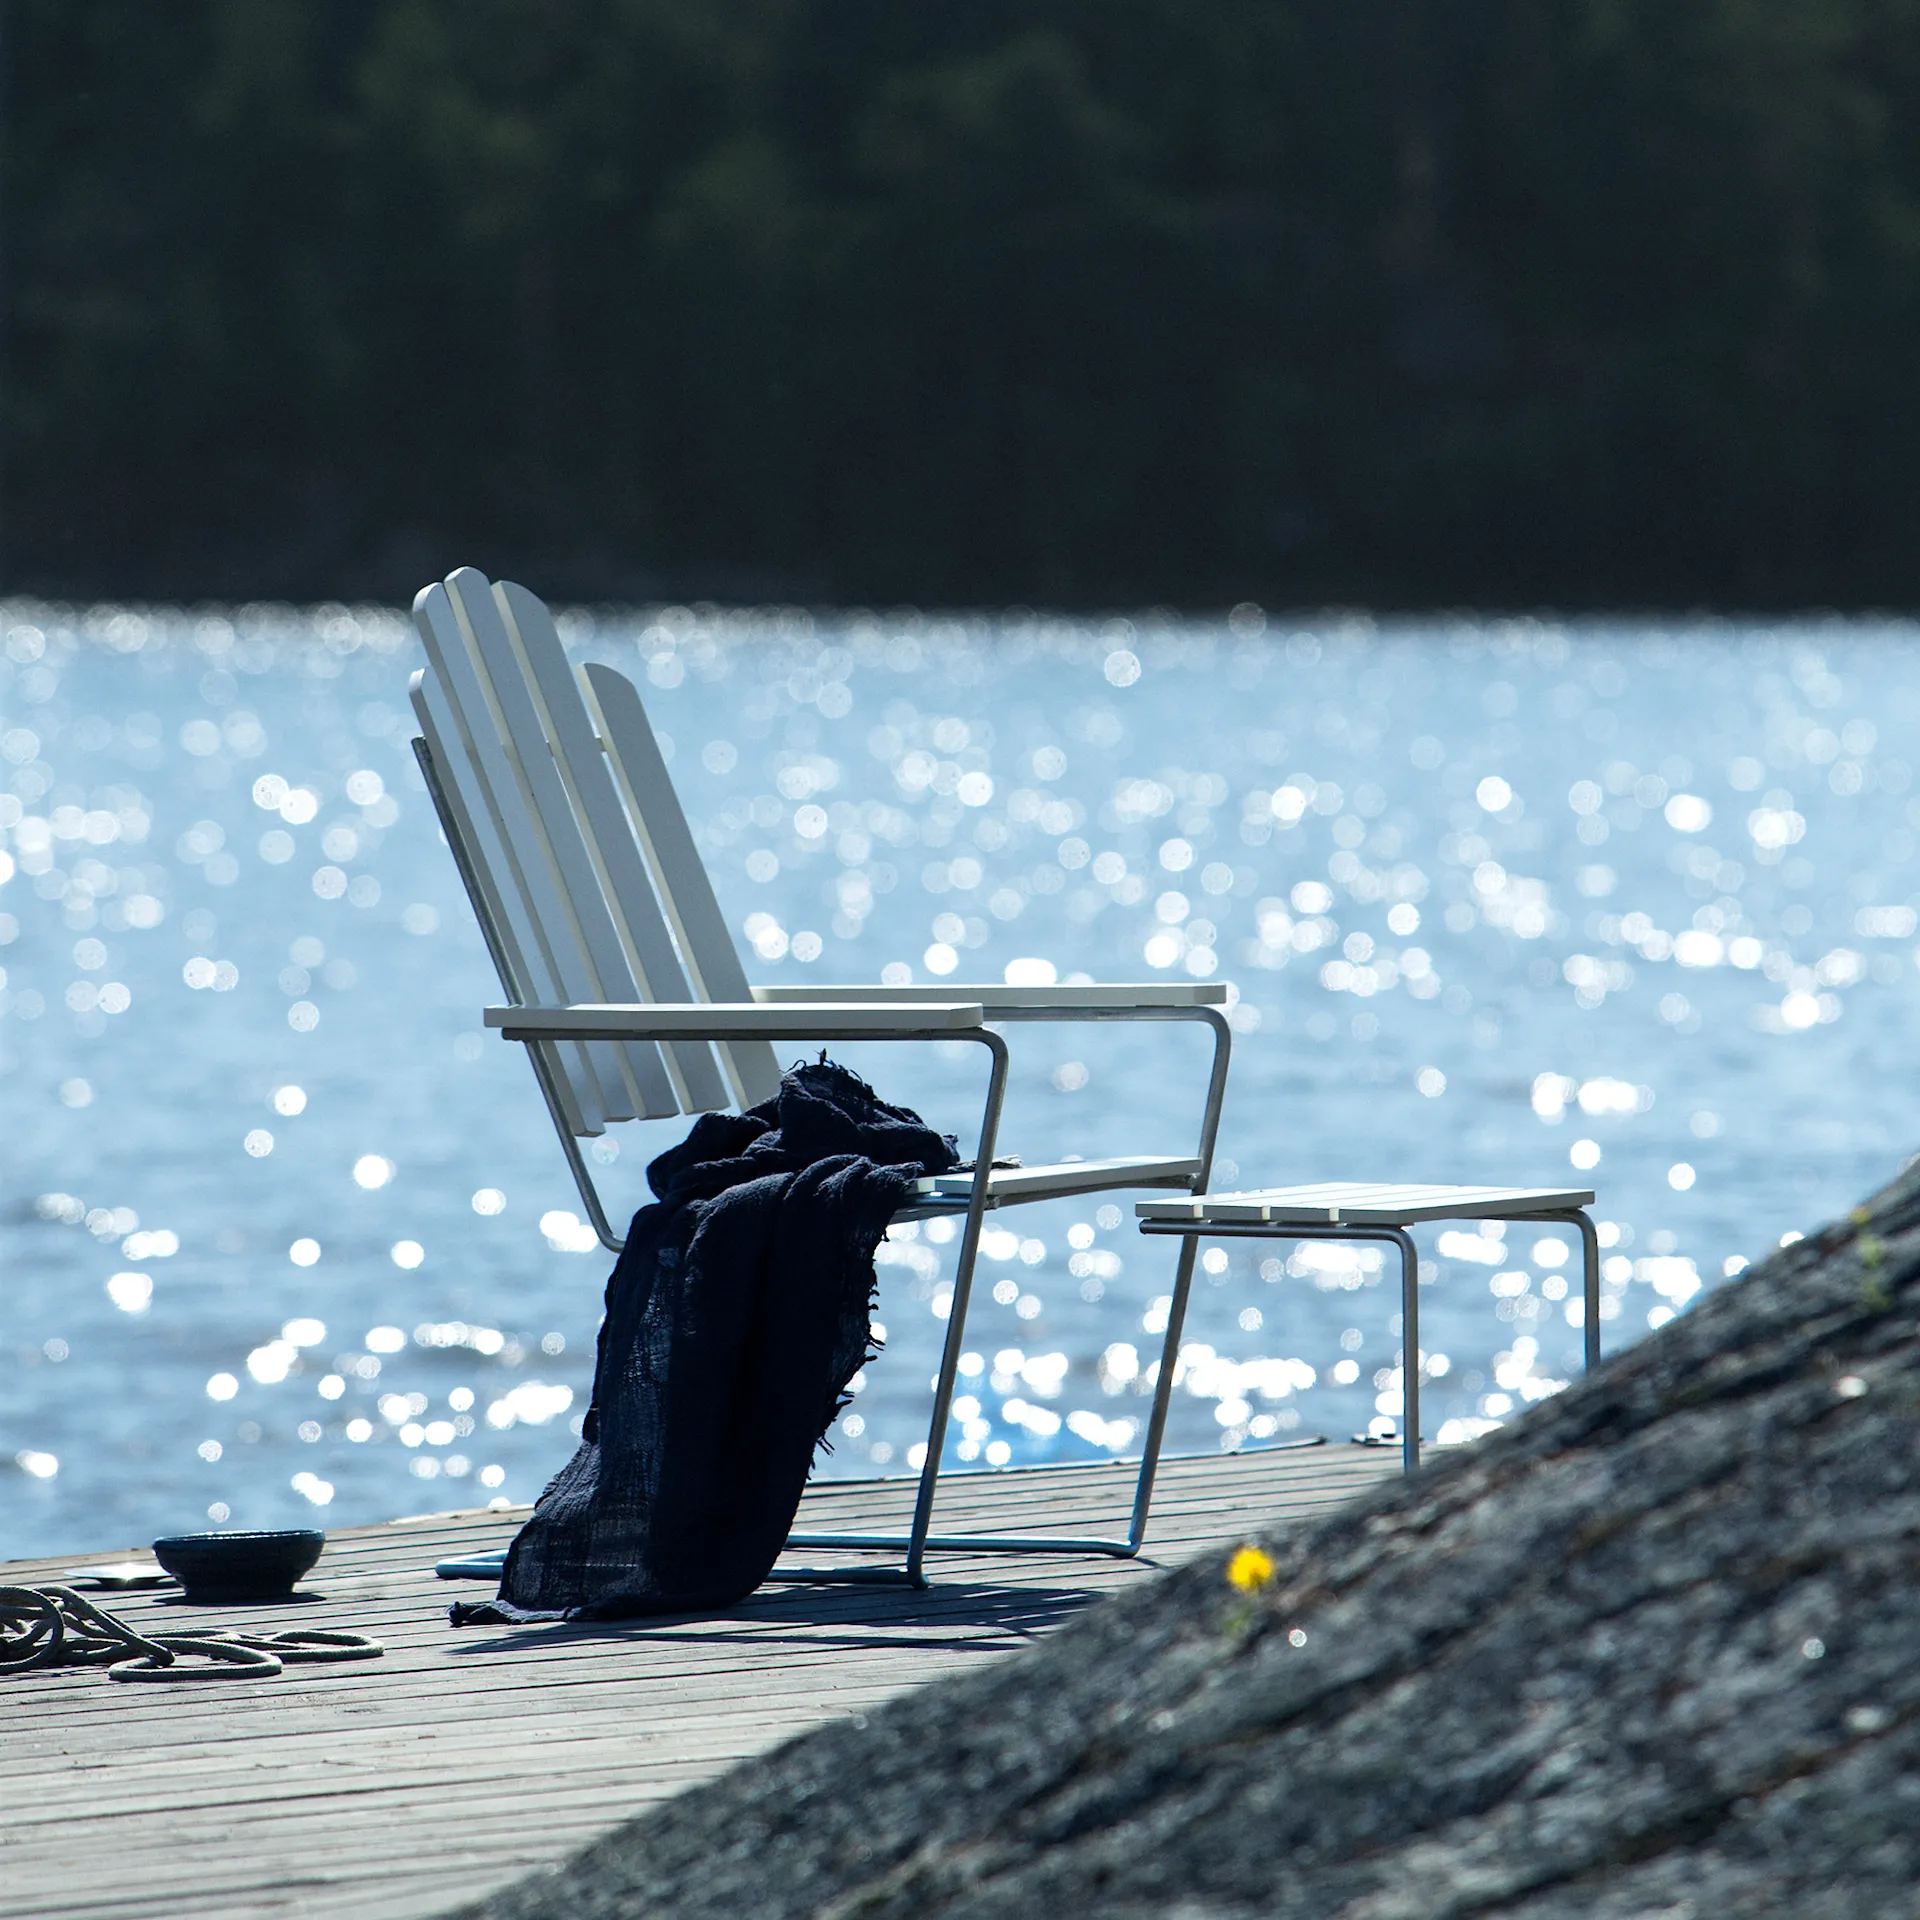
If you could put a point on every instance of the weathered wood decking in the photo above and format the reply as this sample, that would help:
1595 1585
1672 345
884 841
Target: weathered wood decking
404 1785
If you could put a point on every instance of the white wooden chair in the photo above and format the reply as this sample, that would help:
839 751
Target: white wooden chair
626 989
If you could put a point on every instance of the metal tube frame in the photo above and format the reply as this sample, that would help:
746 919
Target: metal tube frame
920 1539
1412 1359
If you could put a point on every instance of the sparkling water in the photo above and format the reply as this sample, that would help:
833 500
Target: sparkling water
284 1236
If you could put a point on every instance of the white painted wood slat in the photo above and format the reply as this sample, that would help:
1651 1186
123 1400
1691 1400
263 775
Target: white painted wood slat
744 1019
1098 997
1006 1185
552 834
1365 1203
527 972
602 1090
625 887
679 874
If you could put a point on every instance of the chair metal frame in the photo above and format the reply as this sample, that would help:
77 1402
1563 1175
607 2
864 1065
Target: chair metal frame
579 1030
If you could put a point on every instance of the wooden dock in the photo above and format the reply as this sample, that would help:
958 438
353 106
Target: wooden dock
405 1785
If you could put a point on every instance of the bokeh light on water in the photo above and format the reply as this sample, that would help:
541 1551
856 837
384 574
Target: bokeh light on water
284 1236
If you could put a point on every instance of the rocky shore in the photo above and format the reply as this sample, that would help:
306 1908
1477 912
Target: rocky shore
1653 1650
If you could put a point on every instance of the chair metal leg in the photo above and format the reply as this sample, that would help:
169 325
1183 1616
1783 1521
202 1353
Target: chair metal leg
1162 1391
957 1312
1182 1288
582 1179
921 1540
919 1535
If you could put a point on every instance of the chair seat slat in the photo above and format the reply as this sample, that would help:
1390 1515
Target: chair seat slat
1365 1203
1008 1184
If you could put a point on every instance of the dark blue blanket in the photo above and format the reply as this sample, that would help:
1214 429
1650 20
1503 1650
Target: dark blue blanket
735 1318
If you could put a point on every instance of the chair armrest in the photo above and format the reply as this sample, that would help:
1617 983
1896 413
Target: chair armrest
832 1020
1097 998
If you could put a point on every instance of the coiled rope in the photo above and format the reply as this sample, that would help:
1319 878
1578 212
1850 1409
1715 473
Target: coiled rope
56 1627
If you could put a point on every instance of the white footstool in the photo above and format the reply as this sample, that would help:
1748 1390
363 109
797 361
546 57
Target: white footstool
1363 1210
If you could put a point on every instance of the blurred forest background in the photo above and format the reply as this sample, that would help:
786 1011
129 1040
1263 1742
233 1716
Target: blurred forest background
1075 302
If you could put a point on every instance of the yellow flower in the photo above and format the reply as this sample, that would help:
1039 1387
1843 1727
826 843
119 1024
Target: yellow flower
1249 1569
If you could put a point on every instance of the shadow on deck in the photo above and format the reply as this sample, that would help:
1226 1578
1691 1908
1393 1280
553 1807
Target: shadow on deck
462 1759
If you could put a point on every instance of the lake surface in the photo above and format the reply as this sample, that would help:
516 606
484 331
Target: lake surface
285 1238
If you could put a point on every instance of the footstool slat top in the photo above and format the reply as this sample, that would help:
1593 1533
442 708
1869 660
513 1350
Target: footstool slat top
1362 1203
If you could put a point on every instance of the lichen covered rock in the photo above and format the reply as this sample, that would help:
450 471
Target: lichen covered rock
1653 1650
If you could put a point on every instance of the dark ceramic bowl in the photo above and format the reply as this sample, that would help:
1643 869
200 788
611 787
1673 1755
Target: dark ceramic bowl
239 1566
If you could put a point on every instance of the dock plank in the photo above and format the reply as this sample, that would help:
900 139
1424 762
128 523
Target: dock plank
462 1760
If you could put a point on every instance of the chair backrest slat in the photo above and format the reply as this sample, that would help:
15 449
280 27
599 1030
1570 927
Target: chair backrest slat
679 874
623 887
525 969
619 1088
552 833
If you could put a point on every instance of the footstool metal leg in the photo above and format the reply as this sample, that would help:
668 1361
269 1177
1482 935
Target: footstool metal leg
1386 1211
1590 1248
1409 1349
1590 1275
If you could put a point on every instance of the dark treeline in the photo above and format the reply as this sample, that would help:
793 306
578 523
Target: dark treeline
1492 302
